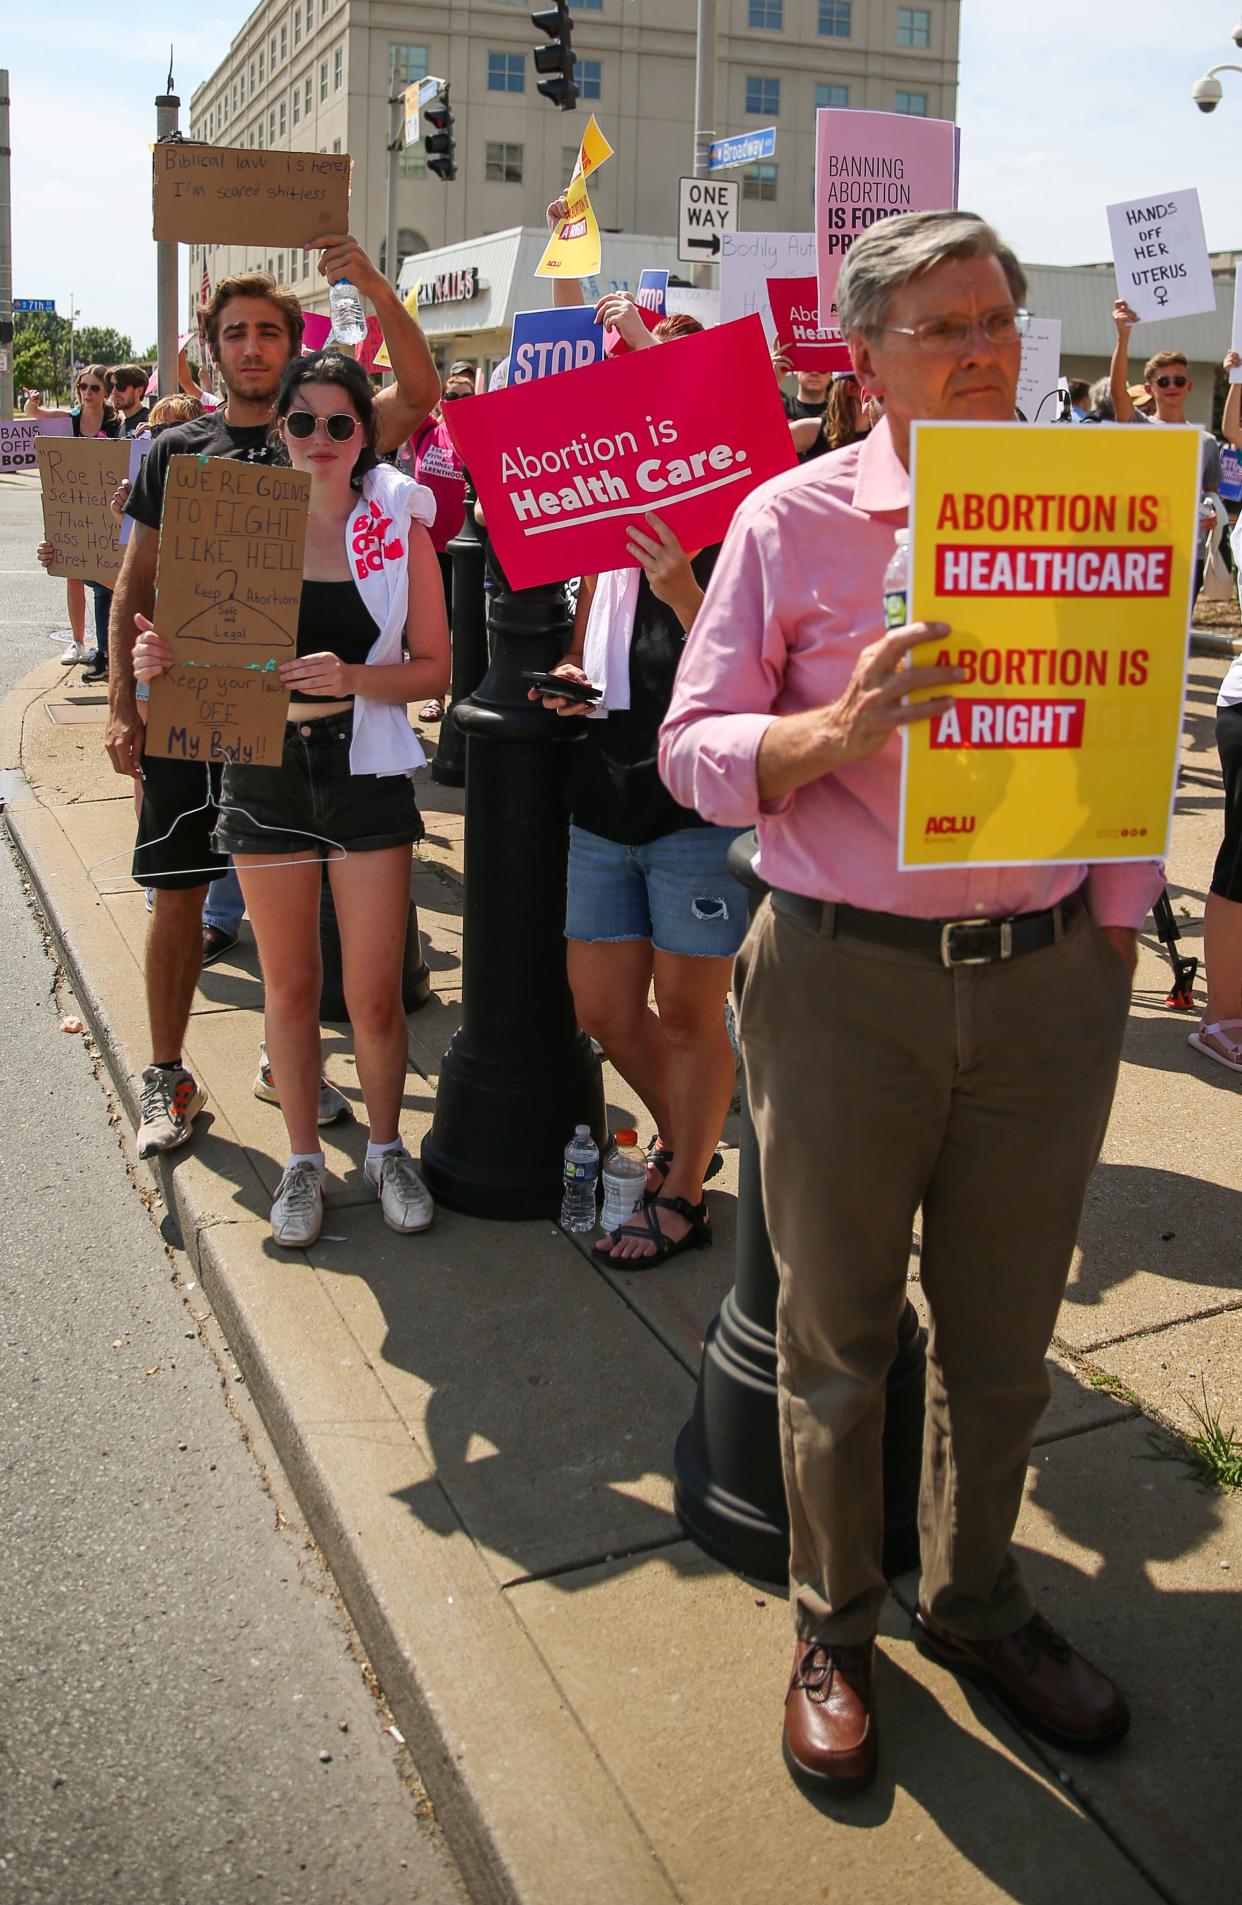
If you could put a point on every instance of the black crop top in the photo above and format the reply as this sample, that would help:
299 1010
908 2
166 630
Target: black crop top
333 619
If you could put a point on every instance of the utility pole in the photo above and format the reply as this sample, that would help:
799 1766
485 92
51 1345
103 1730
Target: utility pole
167 126
396 136
704 105
6 256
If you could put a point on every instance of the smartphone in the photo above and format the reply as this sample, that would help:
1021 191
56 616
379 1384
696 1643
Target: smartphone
548 684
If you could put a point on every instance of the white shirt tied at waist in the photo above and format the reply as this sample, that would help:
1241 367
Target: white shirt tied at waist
377 536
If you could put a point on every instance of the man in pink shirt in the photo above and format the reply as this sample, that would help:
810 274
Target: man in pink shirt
944 1041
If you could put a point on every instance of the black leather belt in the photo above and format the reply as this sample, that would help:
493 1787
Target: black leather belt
950 942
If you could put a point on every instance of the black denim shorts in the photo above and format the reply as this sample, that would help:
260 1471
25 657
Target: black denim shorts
174 847
312 802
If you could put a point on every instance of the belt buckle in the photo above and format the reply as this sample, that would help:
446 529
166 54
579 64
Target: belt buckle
1004 943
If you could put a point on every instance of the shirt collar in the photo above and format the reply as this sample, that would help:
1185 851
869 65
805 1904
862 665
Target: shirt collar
882 486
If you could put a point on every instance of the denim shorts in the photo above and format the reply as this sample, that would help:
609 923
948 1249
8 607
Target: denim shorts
676 891
312 802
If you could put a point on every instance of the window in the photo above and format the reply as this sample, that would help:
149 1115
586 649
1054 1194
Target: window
336 145
504 164
252 79
251 141
241 80
272 54
913 26
282 118
306 264
763 96
338 68
506 72
915 103
569 159
766 13
587 6
235 95
271 128
284 42
297 27
411 62
832 95
297 104
589 78
280 268
413 163
323 80
271 268
759 182
834 19
260 66
310 14
293 264
260 135
306 97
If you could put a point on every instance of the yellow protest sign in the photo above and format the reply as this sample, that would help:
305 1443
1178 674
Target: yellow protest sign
573 250
1062 561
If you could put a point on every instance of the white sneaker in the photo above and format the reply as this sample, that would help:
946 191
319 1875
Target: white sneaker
297 1214
73 655
404 1198
333 1104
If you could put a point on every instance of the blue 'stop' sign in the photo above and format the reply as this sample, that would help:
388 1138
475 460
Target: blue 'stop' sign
741 149
1230 475
652 291
34 304
545 342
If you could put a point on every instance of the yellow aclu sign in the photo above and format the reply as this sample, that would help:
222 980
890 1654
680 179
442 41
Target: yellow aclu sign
1061 559
574 250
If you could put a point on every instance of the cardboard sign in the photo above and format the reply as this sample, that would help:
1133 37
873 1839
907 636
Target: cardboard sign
79 477
222 195
545 342
18 439
228 586
652 293
872 165
795 318
1041 370
574 250
1161 255
1062 562
564 468
749 259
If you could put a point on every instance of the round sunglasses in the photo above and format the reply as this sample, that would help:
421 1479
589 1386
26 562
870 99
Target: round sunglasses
1178 383
302 424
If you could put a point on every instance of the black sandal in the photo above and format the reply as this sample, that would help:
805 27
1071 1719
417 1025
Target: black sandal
661 1158
697 1237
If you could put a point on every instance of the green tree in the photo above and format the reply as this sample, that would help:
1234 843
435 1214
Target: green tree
35 368
95 344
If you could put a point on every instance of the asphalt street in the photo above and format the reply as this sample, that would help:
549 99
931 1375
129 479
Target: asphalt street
183 1713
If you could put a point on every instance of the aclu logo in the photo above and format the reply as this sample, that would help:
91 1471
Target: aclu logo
949 823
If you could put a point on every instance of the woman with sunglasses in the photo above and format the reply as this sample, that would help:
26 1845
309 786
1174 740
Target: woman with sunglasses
92 416
372 637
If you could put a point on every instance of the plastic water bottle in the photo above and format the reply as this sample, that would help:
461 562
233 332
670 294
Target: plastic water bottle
625 1181
897 583
349 320
581 1177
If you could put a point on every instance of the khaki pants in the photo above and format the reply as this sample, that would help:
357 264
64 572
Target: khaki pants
881 1081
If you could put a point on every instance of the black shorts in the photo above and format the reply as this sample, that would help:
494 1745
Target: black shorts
179 814
312 802
1227 874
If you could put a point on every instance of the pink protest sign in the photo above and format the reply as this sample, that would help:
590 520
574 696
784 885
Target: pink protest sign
565 465
871 165
795 313
316 330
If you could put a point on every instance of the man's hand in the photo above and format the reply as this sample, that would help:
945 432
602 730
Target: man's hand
1124 942
667 567
1124 318
875 703
46 554
119 498
341 256
781 365
617 311
152 655
125 734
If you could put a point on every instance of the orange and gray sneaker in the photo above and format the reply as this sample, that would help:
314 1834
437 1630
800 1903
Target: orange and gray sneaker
333 1104
171 1100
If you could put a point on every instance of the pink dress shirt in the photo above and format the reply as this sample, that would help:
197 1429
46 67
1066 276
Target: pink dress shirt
796 595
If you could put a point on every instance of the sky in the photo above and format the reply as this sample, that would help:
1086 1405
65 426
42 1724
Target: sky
1064 105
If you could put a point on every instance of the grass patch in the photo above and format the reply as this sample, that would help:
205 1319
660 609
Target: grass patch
1212 1455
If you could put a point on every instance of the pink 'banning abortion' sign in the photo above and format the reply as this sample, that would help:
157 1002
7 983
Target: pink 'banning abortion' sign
565 465
872 165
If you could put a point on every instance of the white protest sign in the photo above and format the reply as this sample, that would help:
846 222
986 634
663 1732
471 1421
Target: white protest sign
1041 369
749 259
696 301
1235 336
1161 255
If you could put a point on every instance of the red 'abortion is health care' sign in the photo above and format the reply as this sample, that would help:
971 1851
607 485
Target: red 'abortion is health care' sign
566 465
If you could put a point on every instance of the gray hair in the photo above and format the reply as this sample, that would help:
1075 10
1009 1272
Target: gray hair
894 250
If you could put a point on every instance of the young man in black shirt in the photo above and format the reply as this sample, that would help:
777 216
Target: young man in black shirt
253 328
127 387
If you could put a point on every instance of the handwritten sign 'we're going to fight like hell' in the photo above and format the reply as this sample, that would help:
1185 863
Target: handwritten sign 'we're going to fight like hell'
228 589
221 195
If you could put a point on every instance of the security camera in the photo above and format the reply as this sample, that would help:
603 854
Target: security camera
1207 91
1237 34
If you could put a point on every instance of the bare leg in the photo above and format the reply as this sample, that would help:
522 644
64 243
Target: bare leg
1222 958
371 892
75 596
690 996
174 961
283 904
610 981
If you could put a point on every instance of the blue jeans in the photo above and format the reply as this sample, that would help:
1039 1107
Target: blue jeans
224 904
103 609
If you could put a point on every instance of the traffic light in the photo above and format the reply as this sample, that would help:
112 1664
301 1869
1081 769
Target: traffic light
556 58
439 144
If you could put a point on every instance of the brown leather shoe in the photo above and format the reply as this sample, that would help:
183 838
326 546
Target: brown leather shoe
1040 1678
829 1725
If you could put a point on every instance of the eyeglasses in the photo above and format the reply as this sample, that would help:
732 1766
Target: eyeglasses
451 396
302 424
946 336
1178 383
94 389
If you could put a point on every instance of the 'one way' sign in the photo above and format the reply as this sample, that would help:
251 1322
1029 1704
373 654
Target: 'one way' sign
706 207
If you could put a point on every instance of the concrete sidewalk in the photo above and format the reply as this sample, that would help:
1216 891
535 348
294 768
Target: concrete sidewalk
479 1424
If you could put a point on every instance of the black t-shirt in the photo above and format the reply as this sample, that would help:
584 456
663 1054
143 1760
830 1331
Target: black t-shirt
208 435
615 788
795 410
130 424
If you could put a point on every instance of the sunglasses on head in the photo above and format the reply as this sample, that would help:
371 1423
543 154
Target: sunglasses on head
1178 383
302 424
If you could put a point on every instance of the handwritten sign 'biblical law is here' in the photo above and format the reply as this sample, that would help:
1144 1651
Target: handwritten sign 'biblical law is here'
222 195
228 588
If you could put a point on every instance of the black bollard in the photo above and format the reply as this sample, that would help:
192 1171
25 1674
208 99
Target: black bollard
469 644
519 1074
415 978
729 1492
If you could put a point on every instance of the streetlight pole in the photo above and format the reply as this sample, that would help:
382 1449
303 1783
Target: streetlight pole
6 255
396 134
704 104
